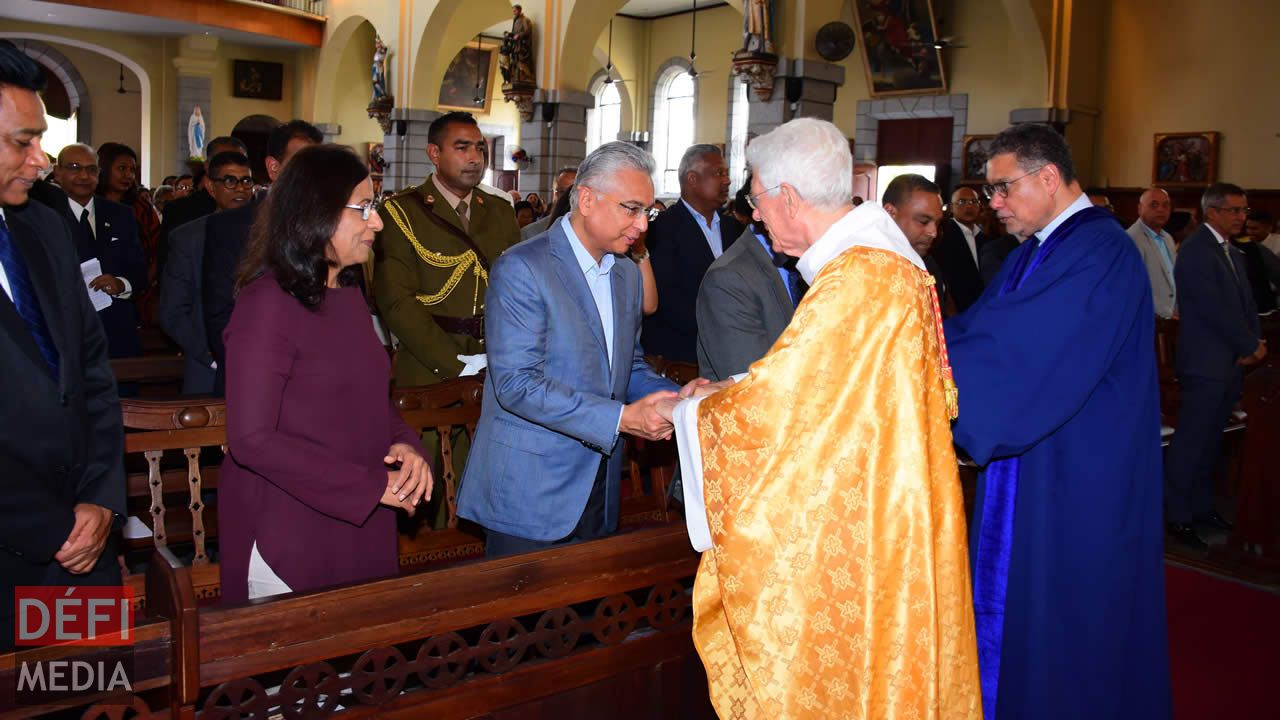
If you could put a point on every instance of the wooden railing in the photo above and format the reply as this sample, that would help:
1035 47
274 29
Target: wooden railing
588 630
311 7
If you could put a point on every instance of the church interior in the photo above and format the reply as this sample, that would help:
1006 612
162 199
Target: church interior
1173 94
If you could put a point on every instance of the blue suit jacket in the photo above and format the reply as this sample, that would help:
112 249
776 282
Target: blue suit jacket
552 403
1218 321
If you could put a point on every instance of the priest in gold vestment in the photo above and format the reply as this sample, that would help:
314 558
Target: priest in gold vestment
823 482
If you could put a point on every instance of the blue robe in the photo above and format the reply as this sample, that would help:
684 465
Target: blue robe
1060 373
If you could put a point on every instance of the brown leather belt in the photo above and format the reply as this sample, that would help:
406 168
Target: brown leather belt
473 326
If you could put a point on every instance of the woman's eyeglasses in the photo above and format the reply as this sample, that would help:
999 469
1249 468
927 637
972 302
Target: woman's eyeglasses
367 208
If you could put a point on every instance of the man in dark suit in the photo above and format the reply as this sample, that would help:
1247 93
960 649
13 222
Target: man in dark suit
746 300
682 243
199 203
61 452
227 235
181 312
106 231
1218 336
915 204
960 246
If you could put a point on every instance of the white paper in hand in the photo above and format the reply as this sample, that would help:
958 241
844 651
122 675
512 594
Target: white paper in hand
91 269
474 364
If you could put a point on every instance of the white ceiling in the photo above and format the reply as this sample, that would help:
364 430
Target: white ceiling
58 14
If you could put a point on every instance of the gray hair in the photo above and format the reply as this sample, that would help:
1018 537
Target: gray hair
811 156
693 155
1217 193
599 168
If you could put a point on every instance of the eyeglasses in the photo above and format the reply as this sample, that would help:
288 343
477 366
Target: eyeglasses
966 201
367 208
751 199
231 181
632 210
1232 210
77 168
181 187
1002 188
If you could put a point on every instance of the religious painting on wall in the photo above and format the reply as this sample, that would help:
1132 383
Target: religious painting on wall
898 38
467 82
1185 159
974 159
257 80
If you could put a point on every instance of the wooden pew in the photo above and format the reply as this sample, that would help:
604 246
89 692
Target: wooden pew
158 375
173 449
178 445
598 629
1256 539
441 409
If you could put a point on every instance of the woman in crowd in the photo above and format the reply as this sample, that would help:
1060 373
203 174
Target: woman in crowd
319 459
539 207
118 182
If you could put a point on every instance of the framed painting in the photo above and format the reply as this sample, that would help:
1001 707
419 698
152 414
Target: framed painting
974 158
468 82
257 80
898 47
1185 159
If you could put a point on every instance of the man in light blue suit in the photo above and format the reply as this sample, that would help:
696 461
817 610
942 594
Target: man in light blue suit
566 373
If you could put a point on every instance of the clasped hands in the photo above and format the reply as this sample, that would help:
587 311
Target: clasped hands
408 484
650 416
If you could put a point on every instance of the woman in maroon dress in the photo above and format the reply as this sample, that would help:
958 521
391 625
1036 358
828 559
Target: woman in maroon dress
319 459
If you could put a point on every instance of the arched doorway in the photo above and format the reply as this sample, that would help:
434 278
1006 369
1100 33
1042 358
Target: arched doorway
253 131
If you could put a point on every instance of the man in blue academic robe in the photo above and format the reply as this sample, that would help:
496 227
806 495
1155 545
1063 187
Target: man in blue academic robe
1059 402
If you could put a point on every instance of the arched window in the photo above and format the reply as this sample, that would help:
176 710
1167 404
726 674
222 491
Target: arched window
673 127
738 136
60 134
605 119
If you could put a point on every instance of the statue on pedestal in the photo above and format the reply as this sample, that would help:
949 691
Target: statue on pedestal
757 61
515 60
382 102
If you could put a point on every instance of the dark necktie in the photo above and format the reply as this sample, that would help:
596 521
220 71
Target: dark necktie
88 241
796 286
24 298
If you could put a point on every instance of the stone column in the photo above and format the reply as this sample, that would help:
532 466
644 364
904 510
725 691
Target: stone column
196 62
801 88
405 148
556 137
331 131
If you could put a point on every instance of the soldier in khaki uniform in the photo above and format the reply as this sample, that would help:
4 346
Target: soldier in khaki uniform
432 259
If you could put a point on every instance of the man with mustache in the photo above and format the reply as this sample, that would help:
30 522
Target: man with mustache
432 258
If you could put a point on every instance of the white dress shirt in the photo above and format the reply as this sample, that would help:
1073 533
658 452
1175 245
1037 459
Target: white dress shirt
970 237
711 231
4 277
77 210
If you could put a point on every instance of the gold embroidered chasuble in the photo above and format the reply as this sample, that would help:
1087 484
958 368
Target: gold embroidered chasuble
838 581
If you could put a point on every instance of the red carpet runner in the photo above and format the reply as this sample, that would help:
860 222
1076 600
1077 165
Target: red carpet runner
1224 647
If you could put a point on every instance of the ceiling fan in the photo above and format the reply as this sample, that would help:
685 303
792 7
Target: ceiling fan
121 90
942 43
693 44
608 68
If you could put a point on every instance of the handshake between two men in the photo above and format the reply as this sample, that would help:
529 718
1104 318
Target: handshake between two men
650 416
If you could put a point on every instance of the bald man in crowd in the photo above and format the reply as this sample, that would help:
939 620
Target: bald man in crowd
1157 248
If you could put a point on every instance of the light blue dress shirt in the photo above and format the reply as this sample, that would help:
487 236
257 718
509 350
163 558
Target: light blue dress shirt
1158 240
598 282
711 231
782 272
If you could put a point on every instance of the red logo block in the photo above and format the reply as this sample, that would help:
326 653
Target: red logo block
65 615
